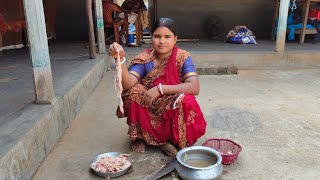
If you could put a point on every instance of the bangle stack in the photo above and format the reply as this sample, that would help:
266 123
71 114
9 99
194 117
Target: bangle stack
124 60
160 89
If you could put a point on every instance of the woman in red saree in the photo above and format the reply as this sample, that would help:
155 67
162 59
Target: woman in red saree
160 86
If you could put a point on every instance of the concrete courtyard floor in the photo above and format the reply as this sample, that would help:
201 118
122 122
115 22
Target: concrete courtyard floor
273 114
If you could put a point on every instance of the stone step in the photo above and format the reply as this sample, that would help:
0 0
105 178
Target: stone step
249 60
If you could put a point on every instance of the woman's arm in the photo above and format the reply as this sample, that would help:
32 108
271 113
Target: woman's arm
128 80
190 86
190 83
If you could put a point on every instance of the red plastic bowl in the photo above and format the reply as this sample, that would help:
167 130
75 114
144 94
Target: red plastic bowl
228 149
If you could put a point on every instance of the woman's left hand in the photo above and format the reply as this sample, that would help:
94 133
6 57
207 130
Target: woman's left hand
150 95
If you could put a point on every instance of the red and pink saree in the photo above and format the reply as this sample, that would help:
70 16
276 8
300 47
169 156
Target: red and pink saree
173 118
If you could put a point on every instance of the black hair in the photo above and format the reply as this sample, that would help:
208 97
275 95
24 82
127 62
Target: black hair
165 22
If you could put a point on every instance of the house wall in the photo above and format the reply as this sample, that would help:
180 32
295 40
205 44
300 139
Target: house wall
191 16
71 22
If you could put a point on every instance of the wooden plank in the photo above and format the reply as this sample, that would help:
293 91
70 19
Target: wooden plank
100 26
39 51
92 42
307 31
282 25
188 40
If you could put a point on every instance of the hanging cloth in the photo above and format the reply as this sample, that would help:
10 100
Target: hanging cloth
293 6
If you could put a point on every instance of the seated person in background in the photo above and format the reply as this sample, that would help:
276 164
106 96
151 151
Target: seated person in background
132 7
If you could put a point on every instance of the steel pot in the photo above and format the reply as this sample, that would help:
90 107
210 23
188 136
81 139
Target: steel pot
211 168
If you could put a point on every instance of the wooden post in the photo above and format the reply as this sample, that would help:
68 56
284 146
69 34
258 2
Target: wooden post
92 42
306 6
100 26
275 16
282 25
138 28
39 51
0 44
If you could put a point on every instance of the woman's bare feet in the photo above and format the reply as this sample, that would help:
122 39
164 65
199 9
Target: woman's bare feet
169 149
138 146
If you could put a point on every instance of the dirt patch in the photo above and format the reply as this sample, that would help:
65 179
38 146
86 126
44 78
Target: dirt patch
229 70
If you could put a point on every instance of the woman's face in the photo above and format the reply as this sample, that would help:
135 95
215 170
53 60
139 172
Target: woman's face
163 40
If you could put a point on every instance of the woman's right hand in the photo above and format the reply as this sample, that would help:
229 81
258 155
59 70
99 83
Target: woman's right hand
150 95
113 50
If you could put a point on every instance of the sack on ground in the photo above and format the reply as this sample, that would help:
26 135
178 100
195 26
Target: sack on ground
241 35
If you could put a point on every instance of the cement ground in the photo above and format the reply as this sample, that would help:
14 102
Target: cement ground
273 114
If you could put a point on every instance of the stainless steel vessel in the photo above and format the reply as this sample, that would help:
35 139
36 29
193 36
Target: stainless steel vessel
199 153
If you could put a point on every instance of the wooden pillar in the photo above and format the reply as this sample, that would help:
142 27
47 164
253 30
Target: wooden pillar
92 42
138 28
100 26
39 51
282 25
275 16
0 44
306 6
